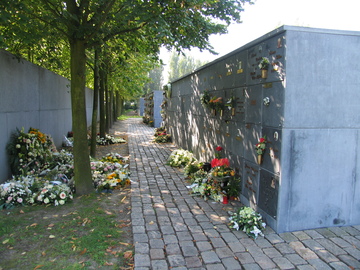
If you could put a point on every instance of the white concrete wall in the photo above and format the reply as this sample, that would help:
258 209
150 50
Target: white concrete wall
31 96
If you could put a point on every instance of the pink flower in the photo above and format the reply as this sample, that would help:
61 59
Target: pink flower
62 195
19 200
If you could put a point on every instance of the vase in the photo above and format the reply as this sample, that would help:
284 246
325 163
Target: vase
221 112
264 73
232 111
259 159
213 111
225 200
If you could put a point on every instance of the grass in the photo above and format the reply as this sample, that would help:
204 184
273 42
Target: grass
127 114
93 232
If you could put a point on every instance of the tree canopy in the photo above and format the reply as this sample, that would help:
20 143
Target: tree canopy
79 25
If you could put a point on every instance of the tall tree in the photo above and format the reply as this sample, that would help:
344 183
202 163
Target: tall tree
156 79
86 23
181 64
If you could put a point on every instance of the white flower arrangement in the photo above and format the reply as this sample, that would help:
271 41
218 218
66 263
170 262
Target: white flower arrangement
180 157
247 220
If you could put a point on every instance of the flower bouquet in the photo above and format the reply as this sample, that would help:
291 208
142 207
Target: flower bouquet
260 148
247 220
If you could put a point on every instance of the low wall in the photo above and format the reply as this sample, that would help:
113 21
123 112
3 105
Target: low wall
33 97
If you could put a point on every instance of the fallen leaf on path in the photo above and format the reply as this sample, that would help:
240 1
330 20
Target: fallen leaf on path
33 225
83 252
128 254
106 263
52 236
5 241
22 212
107 212
38 266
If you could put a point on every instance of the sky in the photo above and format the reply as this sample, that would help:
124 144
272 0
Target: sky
267 15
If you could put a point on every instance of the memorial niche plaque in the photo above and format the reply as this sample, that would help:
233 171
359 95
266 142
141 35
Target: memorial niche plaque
268 192
251 182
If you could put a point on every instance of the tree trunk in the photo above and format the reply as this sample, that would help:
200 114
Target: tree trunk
95 104
102 101
107 104
82 172
119 104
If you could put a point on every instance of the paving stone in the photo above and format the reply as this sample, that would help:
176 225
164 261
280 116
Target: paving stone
217 242
326 232
244 258
284 248
203 245
349 260
231 264
338 231
224 252
330 246
340 242
272 252
159 265
306 253
184 236
199 236
170 239
352 240
176 260
142 248
142 260
295 259
305 267
319 264
262 242
211 233
138 229
274 238
189 251
265 262
172 249
236 247
229 237
351 230
312 244
313 234
288 237
140 238
301 235
210 257
339 266
216 266
157 243
353 252
283 263
167 229
252 266
186 243
157 254
156 234
192 262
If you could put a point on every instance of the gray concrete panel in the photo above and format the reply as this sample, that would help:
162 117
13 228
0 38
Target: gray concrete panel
272 155
253 104
252 135
250 185
268 193
273 104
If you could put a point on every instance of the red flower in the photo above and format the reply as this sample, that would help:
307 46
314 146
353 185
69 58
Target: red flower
219 148
261 140
220 162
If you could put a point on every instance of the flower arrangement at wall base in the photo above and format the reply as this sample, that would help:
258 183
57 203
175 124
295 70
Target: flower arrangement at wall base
29 152
161 135
180 158
248 221
109 139
49 180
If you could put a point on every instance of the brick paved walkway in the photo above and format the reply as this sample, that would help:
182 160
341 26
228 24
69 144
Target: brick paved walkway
173 230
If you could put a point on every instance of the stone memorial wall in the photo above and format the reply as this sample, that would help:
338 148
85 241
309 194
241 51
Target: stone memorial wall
306 106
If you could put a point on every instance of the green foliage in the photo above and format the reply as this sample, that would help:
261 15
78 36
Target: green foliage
247 220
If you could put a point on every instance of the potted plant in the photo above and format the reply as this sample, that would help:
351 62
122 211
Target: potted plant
264 65
231 103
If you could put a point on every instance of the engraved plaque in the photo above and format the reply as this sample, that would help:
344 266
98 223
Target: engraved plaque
268 192
250 182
